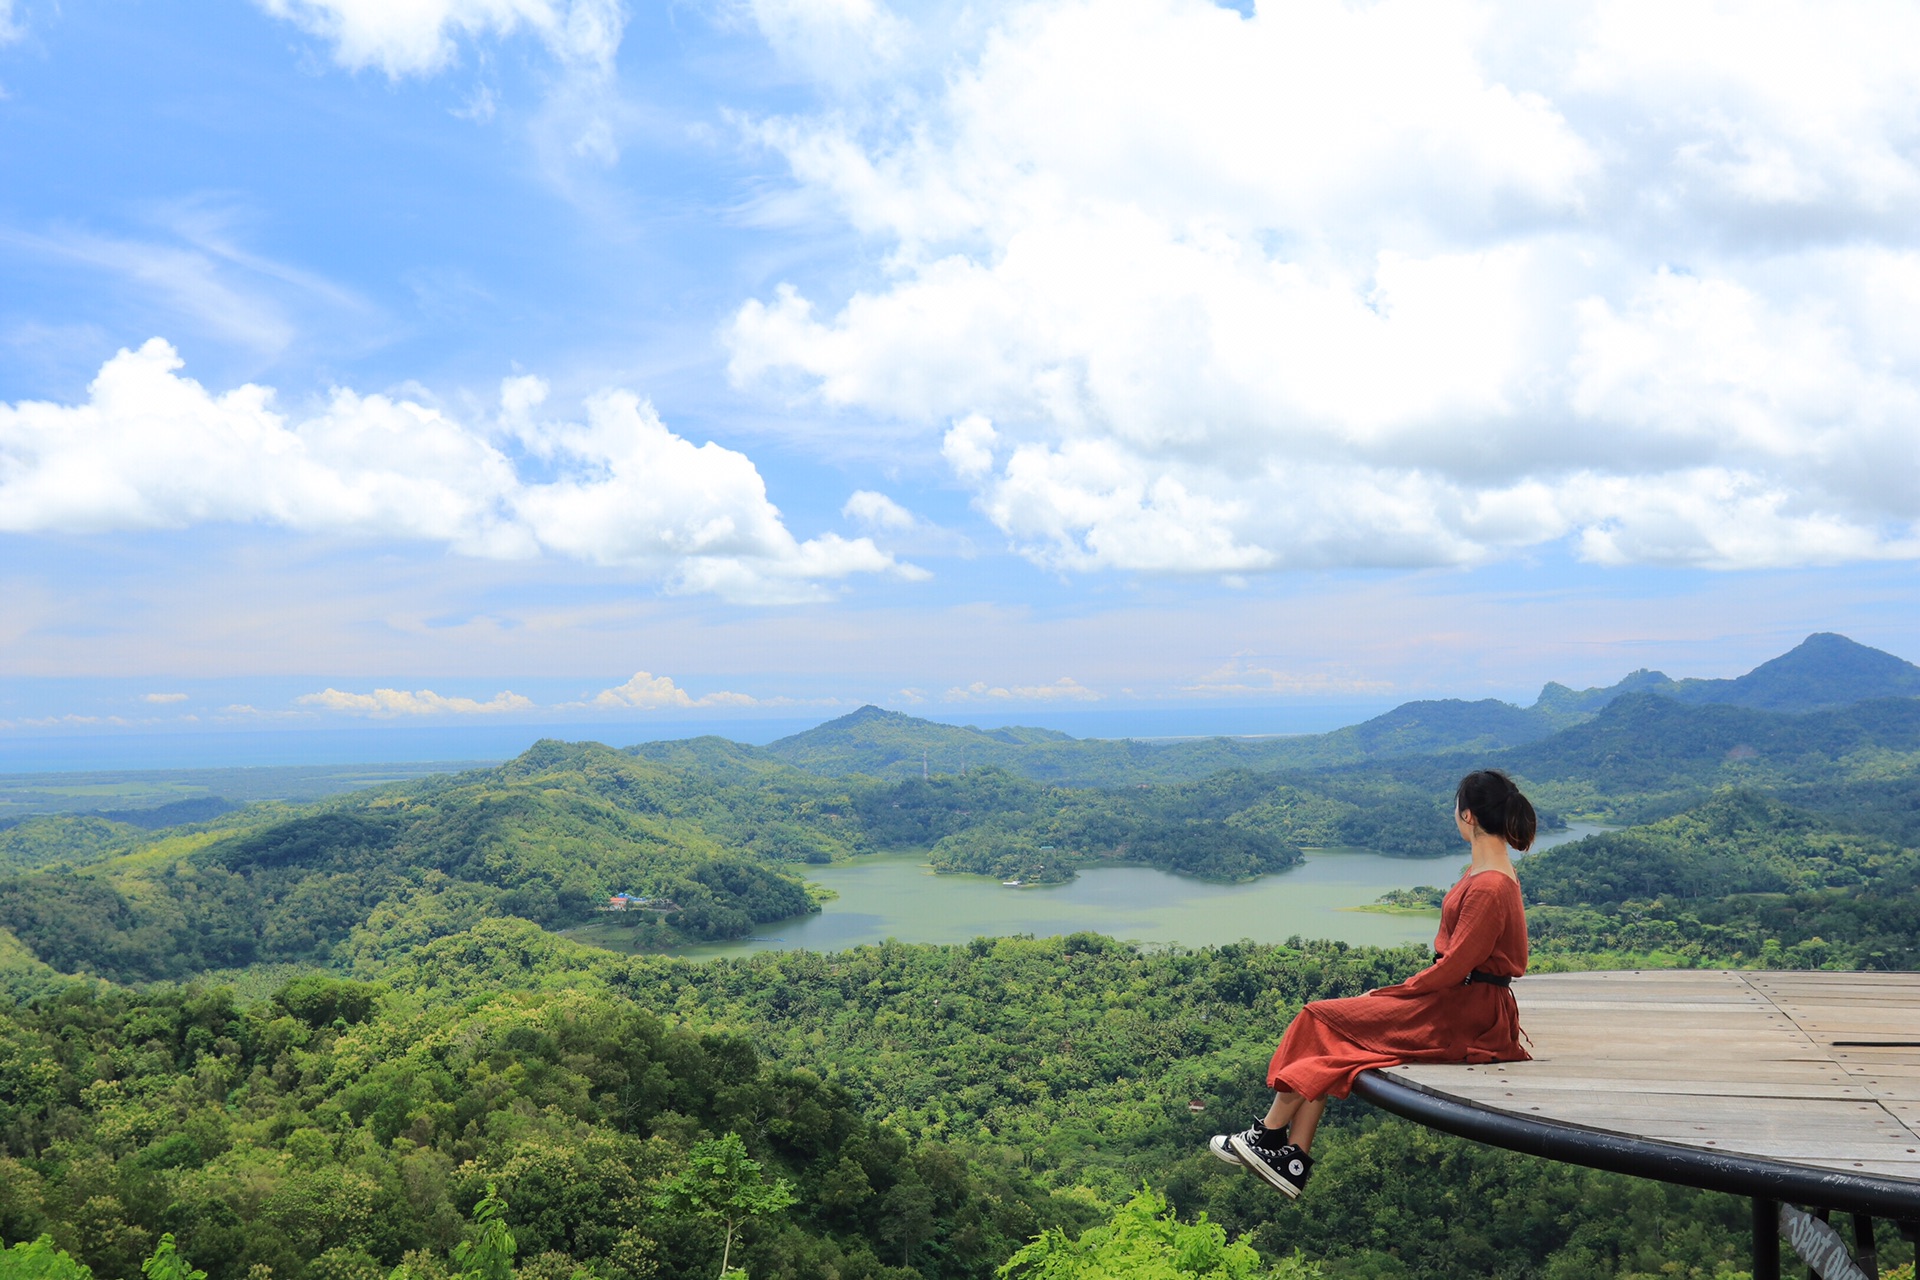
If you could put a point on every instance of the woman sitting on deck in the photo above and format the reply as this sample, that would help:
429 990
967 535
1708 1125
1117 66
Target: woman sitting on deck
1457 1009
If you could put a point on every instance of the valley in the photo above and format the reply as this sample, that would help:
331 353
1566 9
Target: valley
315 1038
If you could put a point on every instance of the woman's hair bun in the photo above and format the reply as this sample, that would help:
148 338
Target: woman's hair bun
1491 799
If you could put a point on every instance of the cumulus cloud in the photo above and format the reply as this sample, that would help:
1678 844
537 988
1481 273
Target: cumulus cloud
152 449
1065 689
877 510
648 692
1413 282
419 37
163 698
399 702
968 447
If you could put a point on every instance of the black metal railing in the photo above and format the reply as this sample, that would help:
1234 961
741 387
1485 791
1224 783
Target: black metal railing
1769 1183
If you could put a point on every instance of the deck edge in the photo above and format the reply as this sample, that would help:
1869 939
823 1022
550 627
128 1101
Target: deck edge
1614 1152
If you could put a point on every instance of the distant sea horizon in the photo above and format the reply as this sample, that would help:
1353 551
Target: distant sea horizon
81 751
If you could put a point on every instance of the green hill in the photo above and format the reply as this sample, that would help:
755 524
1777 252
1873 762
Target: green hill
888 744
1740 879
1823 671
1645 755
1738 842
546 837
42 841
1420 728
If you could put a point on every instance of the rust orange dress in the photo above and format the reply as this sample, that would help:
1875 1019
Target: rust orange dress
1434 1016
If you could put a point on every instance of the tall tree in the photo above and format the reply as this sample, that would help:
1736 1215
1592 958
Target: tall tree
723 1184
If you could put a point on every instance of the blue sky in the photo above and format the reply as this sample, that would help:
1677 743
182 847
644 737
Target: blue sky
579 361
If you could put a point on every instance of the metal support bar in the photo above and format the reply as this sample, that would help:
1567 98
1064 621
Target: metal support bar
1865 1252
1766 1239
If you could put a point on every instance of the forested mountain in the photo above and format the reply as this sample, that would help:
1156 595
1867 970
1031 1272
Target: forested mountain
1645 755
873 742
889 744
1823 671
719 834
546 837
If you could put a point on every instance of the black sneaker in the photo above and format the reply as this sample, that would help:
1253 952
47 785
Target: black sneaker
1287 1168
1221 1144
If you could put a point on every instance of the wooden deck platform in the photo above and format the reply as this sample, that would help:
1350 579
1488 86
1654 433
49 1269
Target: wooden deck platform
1819 1070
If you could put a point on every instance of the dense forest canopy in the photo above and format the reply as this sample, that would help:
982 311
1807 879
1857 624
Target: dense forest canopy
401 1070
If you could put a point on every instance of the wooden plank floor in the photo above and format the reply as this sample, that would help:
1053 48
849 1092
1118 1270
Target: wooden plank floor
1788 1066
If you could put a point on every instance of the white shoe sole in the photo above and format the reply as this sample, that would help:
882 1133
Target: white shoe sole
1254 1161
1220 1145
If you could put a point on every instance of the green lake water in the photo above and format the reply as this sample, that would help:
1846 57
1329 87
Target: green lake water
896 896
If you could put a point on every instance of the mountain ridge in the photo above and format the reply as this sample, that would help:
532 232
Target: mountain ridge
1825 672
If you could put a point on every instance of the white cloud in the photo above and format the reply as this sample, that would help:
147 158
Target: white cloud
1065 689
701 512
199 271
835 41
877 510
420 37
10 29
1412 282
151 449
1238 678
648 692
162 698
968 447
582 115
399 702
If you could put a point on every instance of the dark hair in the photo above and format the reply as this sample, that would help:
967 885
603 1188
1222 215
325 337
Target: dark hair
1489 797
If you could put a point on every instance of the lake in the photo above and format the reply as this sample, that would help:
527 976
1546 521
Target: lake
895 896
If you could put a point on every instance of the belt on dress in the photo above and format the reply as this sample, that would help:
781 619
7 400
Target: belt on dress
1491 979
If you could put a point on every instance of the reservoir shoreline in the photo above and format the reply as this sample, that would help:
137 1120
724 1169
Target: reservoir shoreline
897 895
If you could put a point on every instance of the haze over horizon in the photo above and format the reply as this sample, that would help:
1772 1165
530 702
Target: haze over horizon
605 365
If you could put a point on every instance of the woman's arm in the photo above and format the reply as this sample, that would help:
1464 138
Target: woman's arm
1476 931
